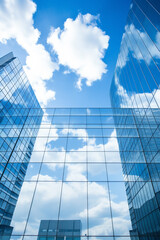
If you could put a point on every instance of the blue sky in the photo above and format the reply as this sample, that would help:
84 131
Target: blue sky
34 20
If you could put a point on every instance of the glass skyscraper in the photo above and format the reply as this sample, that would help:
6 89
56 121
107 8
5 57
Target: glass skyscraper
62 230
18 130
74 174
135 89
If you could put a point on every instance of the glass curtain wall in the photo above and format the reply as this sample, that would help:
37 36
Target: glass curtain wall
15 151
75 173
135 86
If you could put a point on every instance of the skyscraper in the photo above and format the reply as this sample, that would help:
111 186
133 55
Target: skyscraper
62 229
135 88
74 173
17 137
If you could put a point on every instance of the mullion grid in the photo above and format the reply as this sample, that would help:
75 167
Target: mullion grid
144 61
148 172
86 163
151 4
5 169
107 183
141 67
87 184
129 73
27 220
147 35
145 14
125 77
145 64
63 181
61 193
127 182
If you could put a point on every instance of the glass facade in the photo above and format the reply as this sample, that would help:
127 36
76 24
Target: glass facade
140 158
16 136
61 230
74 173
135 88
137 75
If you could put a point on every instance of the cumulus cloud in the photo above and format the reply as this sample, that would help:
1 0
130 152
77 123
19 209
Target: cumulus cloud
81 47
73 206
141 47
16 22
80 133
134 41
139 100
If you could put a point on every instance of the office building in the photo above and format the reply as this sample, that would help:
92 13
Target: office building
60 230
18 130
135 89
75 173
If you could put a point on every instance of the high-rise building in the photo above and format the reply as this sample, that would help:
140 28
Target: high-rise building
74 173
136 80
62 230
18 130
135 88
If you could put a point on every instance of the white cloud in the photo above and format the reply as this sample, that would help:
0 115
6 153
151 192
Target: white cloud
73 206
75 172
138 100
67 71
75 155
134 41
74 203
88 111
80 133
136 46
16 22
81 46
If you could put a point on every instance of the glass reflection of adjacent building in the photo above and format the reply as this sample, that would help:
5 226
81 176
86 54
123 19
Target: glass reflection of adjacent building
18 130
60 230
135 88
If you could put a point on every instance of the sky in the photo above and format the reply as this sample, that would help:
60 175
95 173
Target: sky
68 49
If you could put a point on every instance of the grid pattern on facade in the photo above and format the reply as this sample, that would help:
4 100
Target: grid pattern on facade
15 95
75 171
137 75
15 88
143 196
136 85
